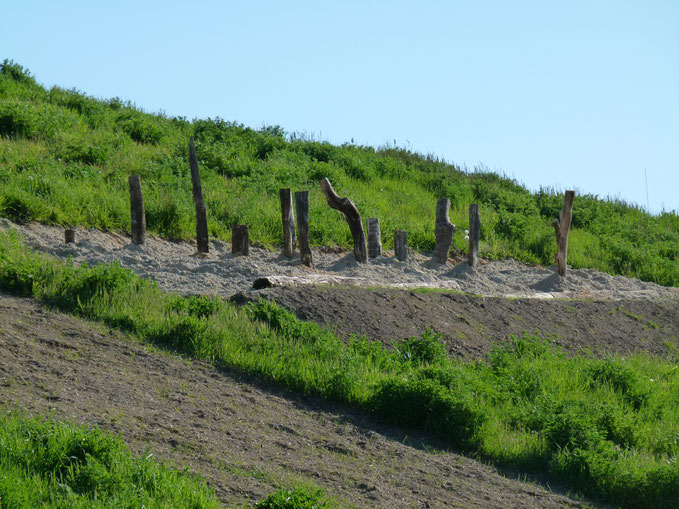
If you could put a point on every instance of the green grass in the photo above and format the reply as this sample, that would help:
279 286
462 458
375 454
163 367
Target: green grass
65 158
608 428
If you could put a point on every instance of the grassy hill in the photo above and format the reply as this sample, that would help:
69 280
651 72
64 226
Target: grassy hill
65 158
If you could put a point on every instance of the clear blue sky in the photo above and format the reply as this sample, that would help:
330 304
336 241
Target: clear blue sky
571 94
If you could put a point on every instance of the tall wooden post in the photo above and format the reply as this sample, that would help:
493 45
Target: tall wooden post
444 231
240 239
562 227
288 222
474 235
348 208
137 215
201 215
374 238
401 244
302 209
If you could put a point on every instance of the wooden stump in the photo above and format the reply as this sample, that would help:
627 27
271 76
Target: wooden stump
401 244
288 217
474 235
562 227
69 236
444 231
137 215
348 208
374 238
302 209
201 214
240 239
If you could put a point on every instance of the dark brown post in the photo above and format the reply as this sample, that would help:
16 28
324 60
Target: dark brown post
137 215
302 209
401 244
288 222
348 208
444 231
69 236
201 215
374 238
474 235
562 226
240 239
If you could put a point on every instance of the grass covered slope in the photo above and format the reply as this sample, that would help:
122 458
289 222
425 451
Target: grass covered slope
65 158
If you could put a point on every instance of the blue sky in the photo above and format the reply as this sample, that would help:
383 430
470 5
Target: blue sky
566 94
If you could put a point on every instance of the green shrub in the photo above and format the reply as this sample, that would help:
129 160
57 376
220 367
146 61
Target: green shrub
429 348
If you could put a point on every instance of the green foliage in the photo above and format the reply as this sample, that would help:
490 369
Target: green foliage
299 498
427 349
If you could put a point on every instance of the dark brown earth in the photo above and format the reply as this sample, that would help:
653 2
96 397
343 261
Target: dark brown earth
245 438
470 325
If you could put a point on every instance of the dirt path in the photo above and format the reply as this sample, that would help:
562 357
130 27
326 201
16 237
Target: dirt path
246 439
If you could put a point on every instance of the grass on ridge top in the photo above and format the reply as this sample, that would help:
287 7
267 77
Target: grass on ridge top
65 158
608 428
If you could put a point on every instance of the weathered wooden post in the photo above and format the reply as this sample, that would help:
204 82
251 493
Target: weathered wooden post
474 235
201 215
401 244
348 208
444 231
374 238
69 236
562 226
240 239
302 209
137 215
288 222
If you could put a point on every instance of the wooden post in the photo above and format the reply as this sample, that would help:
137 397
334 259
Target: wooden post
374 238
201 215
444 231
401 244
474 235
69 236
137 215
348 208
288 222
562 226
302 209
240 239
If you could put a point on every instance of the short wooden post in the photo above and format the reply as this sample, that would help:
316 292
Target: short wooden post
288 222
69 236
240 239
302 210
474 235
348 208
444 231
374 238
137 215
201 215
401 244
562 226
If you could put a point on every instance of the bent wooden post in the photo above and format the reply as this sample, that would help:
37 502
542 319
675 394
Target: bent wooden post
348 208
374 237
302 209
137 215
240 239
288 217
401 245
444 231
474 235
562 226
201 215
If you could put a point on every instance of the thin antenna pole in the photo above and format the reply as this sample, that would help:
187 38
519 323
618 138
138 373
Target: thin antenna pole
648 208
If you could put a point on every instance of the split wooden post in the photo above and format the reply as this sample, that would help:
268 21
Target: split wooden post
562 226
374 238
444 231
69 236
240 239
137 215
201 215
348 208
474 235
302 210
288 216
401 244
